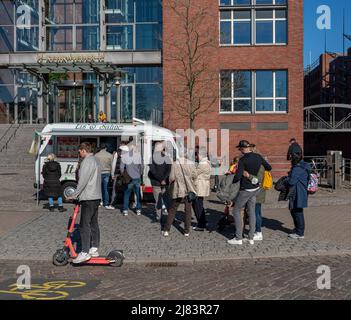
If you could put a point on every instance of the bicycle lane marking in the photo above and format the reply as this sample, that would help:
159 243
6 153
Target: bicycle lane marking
44 289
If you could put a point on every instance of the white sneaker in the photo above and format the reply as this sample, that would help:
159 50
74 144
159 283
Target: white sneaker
251 242
94 252
258 236
165 233
138 212
101 204
125 212
82 257
186 234
296 236
235 241
110 207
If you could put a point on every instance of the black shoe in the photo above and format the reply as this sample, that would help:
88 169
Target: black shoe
52 209
62 209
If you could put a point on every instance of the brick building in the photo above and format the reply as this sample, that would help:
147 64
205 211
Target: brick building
63 60
259 43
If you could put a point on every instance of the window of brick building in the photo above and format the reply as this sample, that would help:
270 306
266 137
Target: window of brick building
253 22
261 91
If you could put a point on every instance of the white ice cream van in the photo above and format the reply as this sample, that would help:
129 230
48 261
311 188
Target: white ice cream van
63 140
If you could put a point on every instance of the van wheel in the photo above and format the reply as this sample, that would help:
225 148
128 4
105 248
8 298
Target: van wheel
67 189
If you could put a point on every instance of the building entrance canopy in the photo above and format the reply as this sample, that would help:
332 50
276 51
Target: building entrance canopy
100 68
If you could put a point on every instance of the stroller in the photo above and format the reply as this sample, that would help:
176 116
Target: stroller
227 191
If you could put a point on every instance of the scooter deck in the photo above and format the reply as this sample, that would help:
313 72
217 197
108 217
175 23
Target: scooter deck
97 261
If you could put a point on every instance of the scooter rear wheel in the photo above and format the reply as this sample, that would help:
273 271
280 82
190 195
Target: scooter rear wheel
117 257
60 258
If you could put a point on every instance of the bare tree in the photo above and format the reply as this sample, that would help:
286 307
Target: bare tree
193 89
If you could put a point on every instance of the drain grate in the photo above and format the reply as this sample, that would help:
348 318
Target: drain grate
161 264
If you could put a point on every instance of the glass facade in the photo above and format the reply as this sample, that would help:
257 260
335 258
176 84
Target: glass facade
253 22
133 25
144 86
254 91
80 26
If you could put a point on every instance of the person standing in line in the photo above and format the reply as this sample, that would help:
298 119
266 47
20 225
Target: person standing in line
116 173
294 148
89 194
215 163
159 172
132 168
203 188
250 162
104 159
52 185
182 181
298 180
260 198
233 166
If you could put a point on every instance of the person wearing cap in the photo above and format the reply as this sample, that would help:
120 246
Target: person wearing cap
251 163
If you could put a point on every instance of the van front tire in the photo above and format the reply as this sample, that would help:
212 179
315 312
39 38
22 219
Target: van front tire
67 189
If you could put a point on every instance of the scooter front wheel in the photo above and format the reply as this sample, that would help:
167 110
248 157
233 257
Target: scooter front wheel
116 258
60 258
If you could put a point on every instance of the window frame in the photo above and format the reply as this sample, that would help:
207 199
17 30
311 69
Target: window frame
253 8
254 97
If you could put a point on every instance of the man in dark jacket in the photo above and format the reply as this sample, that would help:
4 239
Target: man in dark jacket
160 168
251 163
294 148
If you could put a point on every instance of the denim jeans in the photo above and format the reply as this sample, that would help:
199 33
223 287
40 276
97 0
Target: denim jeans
105 178
133 185
59 200
299 221
258 210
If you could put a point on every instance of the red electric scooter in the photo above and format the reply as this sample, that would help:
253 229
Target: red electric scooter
63 256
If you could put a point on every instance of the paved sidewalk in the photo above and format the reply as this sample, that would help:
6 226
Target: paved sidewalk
327 233
31 232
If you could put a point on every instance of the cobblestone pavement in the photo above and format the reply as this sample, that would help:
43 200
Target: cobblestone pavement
30 232
288 278
142 241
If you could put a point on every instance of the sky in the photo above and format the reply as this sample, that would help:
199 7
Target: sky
315 38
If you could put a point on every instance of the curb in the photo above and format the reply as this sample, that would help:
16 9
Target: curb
157 262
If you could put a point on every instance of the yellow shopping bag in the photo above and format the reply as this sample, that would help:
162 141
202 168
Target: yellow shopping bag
267 181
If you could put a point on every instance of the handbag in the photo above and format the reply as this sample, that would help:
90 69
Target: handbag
126 179
191 196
